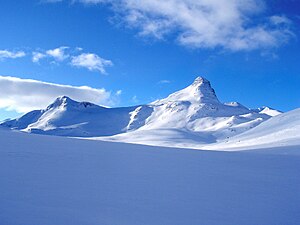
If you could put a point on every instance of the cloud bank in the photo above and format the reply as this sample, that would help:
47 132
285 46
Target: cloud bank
228 24
23 95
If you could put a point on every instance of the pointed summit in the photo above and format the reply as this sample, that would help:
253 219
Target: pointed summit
199 81
202 91
62 101
63 98
199 91
66 102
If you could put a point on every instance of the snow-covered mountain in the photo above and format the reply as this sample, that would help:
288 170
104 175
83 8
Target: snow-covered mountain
267 110
197 108
193 114
66 117
192 117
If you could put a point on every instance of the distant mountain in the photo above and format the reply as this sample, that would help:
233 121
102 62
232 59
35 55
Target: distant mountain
66 117
193 114
267 110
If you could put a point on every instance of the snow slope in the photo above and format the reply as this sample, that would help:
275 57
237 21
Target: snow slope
57 180
193 114
281 130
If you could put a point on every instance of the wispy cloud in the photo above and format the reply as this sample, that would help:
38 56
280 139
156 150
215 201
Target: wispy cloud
23 95
91 61
6 54
37 56
51 1
134 99
58 53
164 82
92 1
119 92
278 20
228 24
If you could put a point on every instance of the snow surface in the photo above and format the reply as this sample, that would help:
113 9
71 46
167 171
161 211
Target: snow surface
281 130
57 180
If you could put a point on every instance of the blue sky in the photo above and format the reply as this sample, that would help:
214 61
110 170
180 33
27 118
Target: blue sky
129 52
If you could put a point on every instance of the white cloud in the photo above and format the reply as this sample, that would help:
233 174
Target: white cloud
79 49
36 56
10 54
58 53
23 95
279 20
91 61
119 92
228 24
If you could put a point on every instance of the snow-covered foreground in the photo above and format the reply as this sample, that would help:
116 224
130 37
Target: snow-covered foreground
281 130
56 180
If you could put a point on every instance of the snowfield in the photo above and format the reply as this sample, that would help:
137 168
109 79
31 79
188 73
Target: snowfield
46 180
280 130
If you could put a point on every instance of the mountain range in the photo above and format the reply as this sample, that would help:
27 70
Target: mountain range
191 117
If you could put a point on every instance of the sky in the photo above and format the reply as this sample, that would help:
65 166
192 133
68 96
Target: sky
129 52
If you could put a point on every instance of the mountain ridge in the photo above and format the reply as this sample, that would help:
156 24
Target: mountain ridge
194 111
